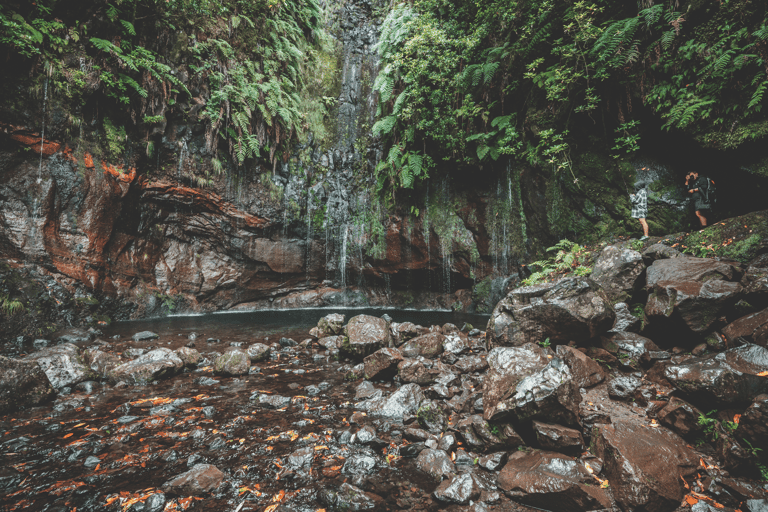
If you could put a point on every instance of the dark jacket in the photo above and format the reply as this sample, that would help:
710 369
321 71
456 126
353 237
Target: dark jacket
697 197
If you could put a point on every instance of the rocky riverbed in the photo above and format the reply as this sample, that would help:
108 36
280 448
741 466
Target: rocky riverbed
563 404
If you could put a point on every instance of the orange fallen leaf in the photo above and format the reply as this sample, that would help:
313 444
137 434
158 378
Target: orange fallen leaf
763 374
68 435
691 500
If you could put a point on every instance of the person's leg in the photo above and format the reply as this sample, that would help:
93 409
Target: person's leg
702 218
644 224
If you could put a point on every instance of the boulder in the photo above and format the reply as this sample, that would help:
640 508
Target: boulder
680 416
548 394
361 463
625 320
691 292
202 478
427 345
480 436
660 252
493 461
233 362
751 328
156 364
258 352
726 378
22 384
470 364
431 417
753 424
586 372
550 481
404 401
629 347
645 466
347 497
572 309
364 335
63 365
435 463
402 332
757 280
508 366
414 370
458 489
558 438
618 272
330 325
623 387
455 344
101 363
189 356
382 364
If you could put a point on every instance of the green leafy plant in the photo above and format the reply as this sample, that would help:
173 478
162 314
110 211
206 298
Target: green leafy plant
568 257
546 343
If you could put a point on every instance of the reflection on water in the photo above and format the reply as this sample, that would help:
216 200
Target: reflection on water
243 326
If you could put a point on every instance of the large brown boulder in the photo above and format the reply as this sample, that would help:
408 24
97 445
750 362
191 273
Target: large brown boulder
618 272
364 335
586 372
752 328
507 367
725 378
691 292
753 425
233 362
549 394
426 345
757 279
382 364
22 384
155 364
551 481
644 466
572 309
63 365
330 325
680 416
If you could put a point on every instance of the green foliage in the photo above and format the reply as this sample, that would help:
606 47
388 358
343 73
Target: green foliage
546 343
10 307
569 256
115 137
468 82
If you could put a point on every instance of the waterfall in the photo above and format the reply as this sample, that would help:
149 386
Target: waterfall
425 229
42 131
342 267
182 154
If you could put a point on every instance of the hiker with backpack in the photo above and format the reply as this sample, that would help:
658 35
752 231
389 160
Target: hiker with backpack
639 202
702 195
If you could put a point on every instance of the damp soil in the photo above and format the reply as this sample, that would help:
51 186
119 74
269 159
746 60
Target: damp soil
113 447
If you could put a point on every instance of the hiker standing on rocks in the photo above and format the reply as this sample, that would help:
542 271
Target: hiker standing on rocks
696 187
640 206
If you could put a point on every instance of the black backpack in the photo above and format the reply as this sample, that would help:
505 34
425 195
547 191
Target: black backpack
710 194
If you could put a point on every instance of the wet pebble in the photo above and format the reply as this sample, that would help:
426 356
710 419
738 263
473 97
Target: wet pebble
206 381
127 419
209 411
92 462
312 390
287 342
